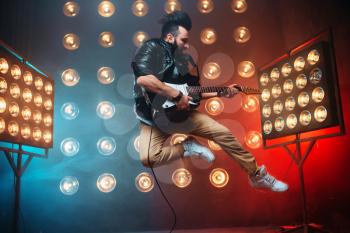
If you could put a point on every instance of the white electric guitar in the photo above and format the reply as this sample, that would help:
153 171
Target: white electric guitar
163 105
196 90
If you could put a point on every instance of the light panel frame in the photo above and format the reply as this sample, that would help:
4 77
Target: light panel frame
329 83
13 58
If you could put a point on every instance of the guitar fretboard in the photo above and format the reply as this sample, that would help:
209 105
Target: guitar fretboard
199 89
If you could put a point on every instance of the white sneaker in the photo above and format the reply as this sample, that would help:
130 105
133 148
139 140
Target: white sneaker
194 148
263 180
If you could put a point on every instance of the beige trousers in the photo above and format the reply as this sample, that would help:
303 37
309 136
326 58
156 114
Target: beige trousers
154 151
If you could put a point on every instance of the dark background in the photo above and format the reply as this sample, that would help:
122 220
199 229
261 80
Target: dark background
35 29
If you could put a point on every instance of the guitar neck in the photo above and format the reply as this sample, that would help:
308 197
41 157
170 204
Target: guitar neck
199 89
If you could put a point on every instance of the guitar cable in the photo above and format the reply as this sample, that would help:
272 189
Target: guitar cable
160 189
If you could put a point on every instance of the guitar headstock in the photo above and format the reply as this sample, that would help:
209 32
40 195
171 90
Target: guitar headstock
248 90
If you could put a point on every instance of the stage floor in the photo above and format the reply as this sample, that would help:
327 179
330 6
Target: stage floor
222 230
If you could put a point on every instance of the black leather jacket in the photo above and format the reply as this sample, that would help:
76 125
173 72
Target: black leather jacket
159 58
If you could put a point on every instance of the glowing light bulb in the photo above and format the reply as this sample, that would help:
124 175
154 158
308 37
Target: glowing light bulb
301 81
37 134
208 36
71 9
265 95
69 185
139 38
277 107
205 6
246 69
48 104
276 90
144 182
286 69
241 35
4 66
28 78
318 94
211 70
70 147
26 113
13 109
171 6
315 76
16 72
106 146
275 74
140 8
2 125
290 103
299 64
288 86
47 120
181 177
106 9
71 41
37 117
13 128
219 177
105 75
137 143
106 39
320 114
47 136
264 79
305 118
3 105
106 182
239 6
38 83
3 85
249 103
105 110
15 91
279 124
266 111
267 127
214 106
48 88
292 121
303 99
70 77
25 131
253 139
38 100
313 57
27 95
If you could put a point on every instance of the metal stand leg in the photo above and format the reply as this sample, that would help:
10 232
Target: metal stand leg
18 170
17 201
299 159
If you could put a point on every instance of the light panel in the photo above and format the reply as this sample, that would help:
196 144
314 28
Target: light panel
302 87
26 96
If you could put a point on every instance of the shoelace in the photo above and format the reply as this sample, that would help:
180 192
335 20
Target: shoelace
270 179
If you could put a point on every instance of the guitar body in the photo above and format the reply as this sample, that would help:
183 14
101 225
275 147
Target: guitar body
165 110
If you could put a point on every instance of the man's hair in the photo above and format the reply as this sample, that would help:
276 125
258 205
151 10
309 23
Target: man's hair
172 21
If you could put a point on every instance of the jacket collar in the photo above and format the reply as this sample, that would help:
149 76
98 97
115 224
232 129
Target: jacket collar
170 47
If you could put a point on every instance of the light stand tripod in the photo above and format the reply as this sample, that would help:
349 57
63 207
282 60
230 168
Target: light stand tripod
299 158
18 168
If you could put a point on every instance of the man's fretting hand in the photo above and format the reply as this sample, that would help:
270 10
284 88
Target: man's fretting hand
229 92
